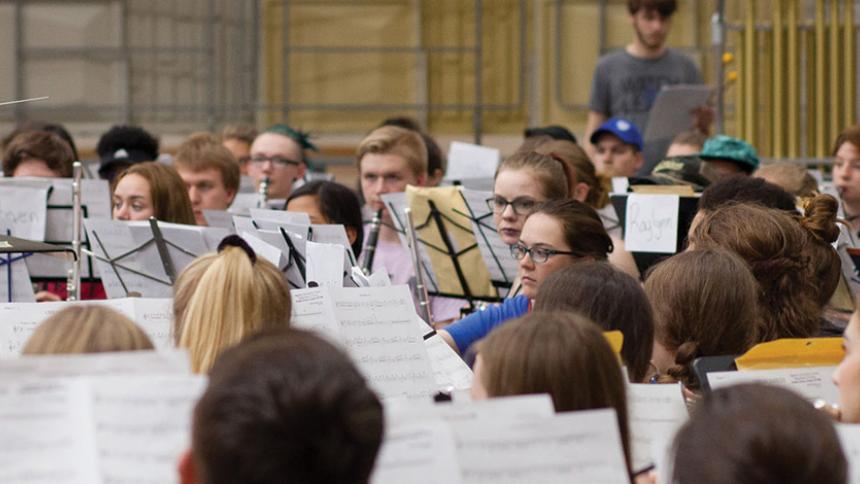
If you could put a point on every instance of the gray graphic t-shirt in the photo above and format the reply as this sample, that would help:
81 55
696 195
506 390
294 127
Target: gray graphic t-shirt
626 86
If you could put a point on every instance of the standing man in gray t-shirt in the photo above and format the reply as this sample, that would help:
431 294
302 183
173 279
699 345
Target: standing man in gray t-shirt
627 81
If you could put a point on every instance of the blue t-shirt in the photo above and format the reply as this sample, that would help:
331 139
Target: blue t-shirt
479 324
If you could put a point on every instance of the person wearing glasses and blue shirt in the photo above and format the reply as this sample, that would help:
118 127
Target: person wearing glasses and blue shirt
556 234
278 153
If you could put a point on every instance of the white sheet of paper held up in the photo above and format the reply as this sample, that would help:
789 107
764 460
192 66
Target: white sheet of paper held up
449 370
24 212
564 448
378 327
324 264
655 413
417 453
811 383
264 249
47 433
313 310
142 425
651 223
671 112
466 160
122 363
520 407
849 437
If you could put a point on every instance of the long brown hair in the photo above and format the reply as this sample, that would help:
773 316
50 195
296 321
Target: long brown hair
772 244
705 304
581 168
609 297
825 266
562 354
170 200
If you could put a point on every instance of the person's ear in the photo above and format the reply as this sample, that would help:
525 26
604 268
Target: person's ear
580 191
300 173
351 234
187 472
231 195
640 160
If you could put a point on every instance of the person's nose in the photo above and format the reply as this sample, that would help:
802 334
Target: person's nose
526 263
121 213
194 195
508 213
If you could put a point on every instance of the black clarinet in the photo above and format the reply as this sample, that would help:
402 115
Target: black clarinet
372 238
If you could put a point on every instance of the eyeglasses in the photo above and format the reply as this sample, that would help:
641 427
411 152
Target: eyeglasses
520 205
278 161
539 255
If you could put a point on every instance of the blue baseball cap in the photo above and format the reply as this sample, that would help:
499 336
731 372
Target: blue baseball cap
623 129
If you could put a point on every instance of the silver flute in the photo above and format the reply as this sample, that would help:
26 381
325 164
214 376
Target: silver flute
73 282
372 240
263 191
420 288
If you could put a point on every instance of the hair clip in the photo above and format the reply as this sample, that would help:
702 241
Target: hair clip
236 241
300 137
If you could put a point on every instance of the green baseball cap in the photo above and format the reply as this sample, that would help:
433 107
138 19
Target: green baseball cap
722 147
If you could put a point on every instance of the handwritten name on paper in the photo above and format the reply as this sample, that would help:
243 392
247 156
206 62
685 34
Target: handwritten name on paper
651 223
24 212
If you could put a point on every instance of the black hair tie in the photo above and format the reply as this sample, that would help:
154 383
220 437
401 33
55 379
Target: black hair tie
236 241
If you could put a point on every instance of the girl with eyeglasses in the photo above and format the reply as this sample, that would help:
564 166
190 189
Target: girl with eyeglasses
555 235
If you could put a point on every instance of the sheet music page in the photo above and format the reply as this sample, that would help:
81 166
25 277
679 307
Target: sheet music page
19 320
276 239
23 212
264 249
334 234
116 239
173 361
378 327
47 433
466 160
519 407
220 218
184 243
143 424
395 203
313 310
497 254
655 412
849 437
14 274
279 217
448 368
243 223
568 447
811 383
324 264
417 453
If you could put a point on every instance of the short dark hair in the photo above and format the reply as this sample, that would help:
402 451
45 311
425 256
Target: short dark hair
609 297
42 145
56 128
286 406
754 433
554 131
664 7
744 189
338 204
435 158
583 229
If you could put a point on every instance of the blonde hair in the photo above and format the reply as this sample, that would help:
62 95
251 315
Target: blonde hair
86 329
398 141
202 151
220 298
